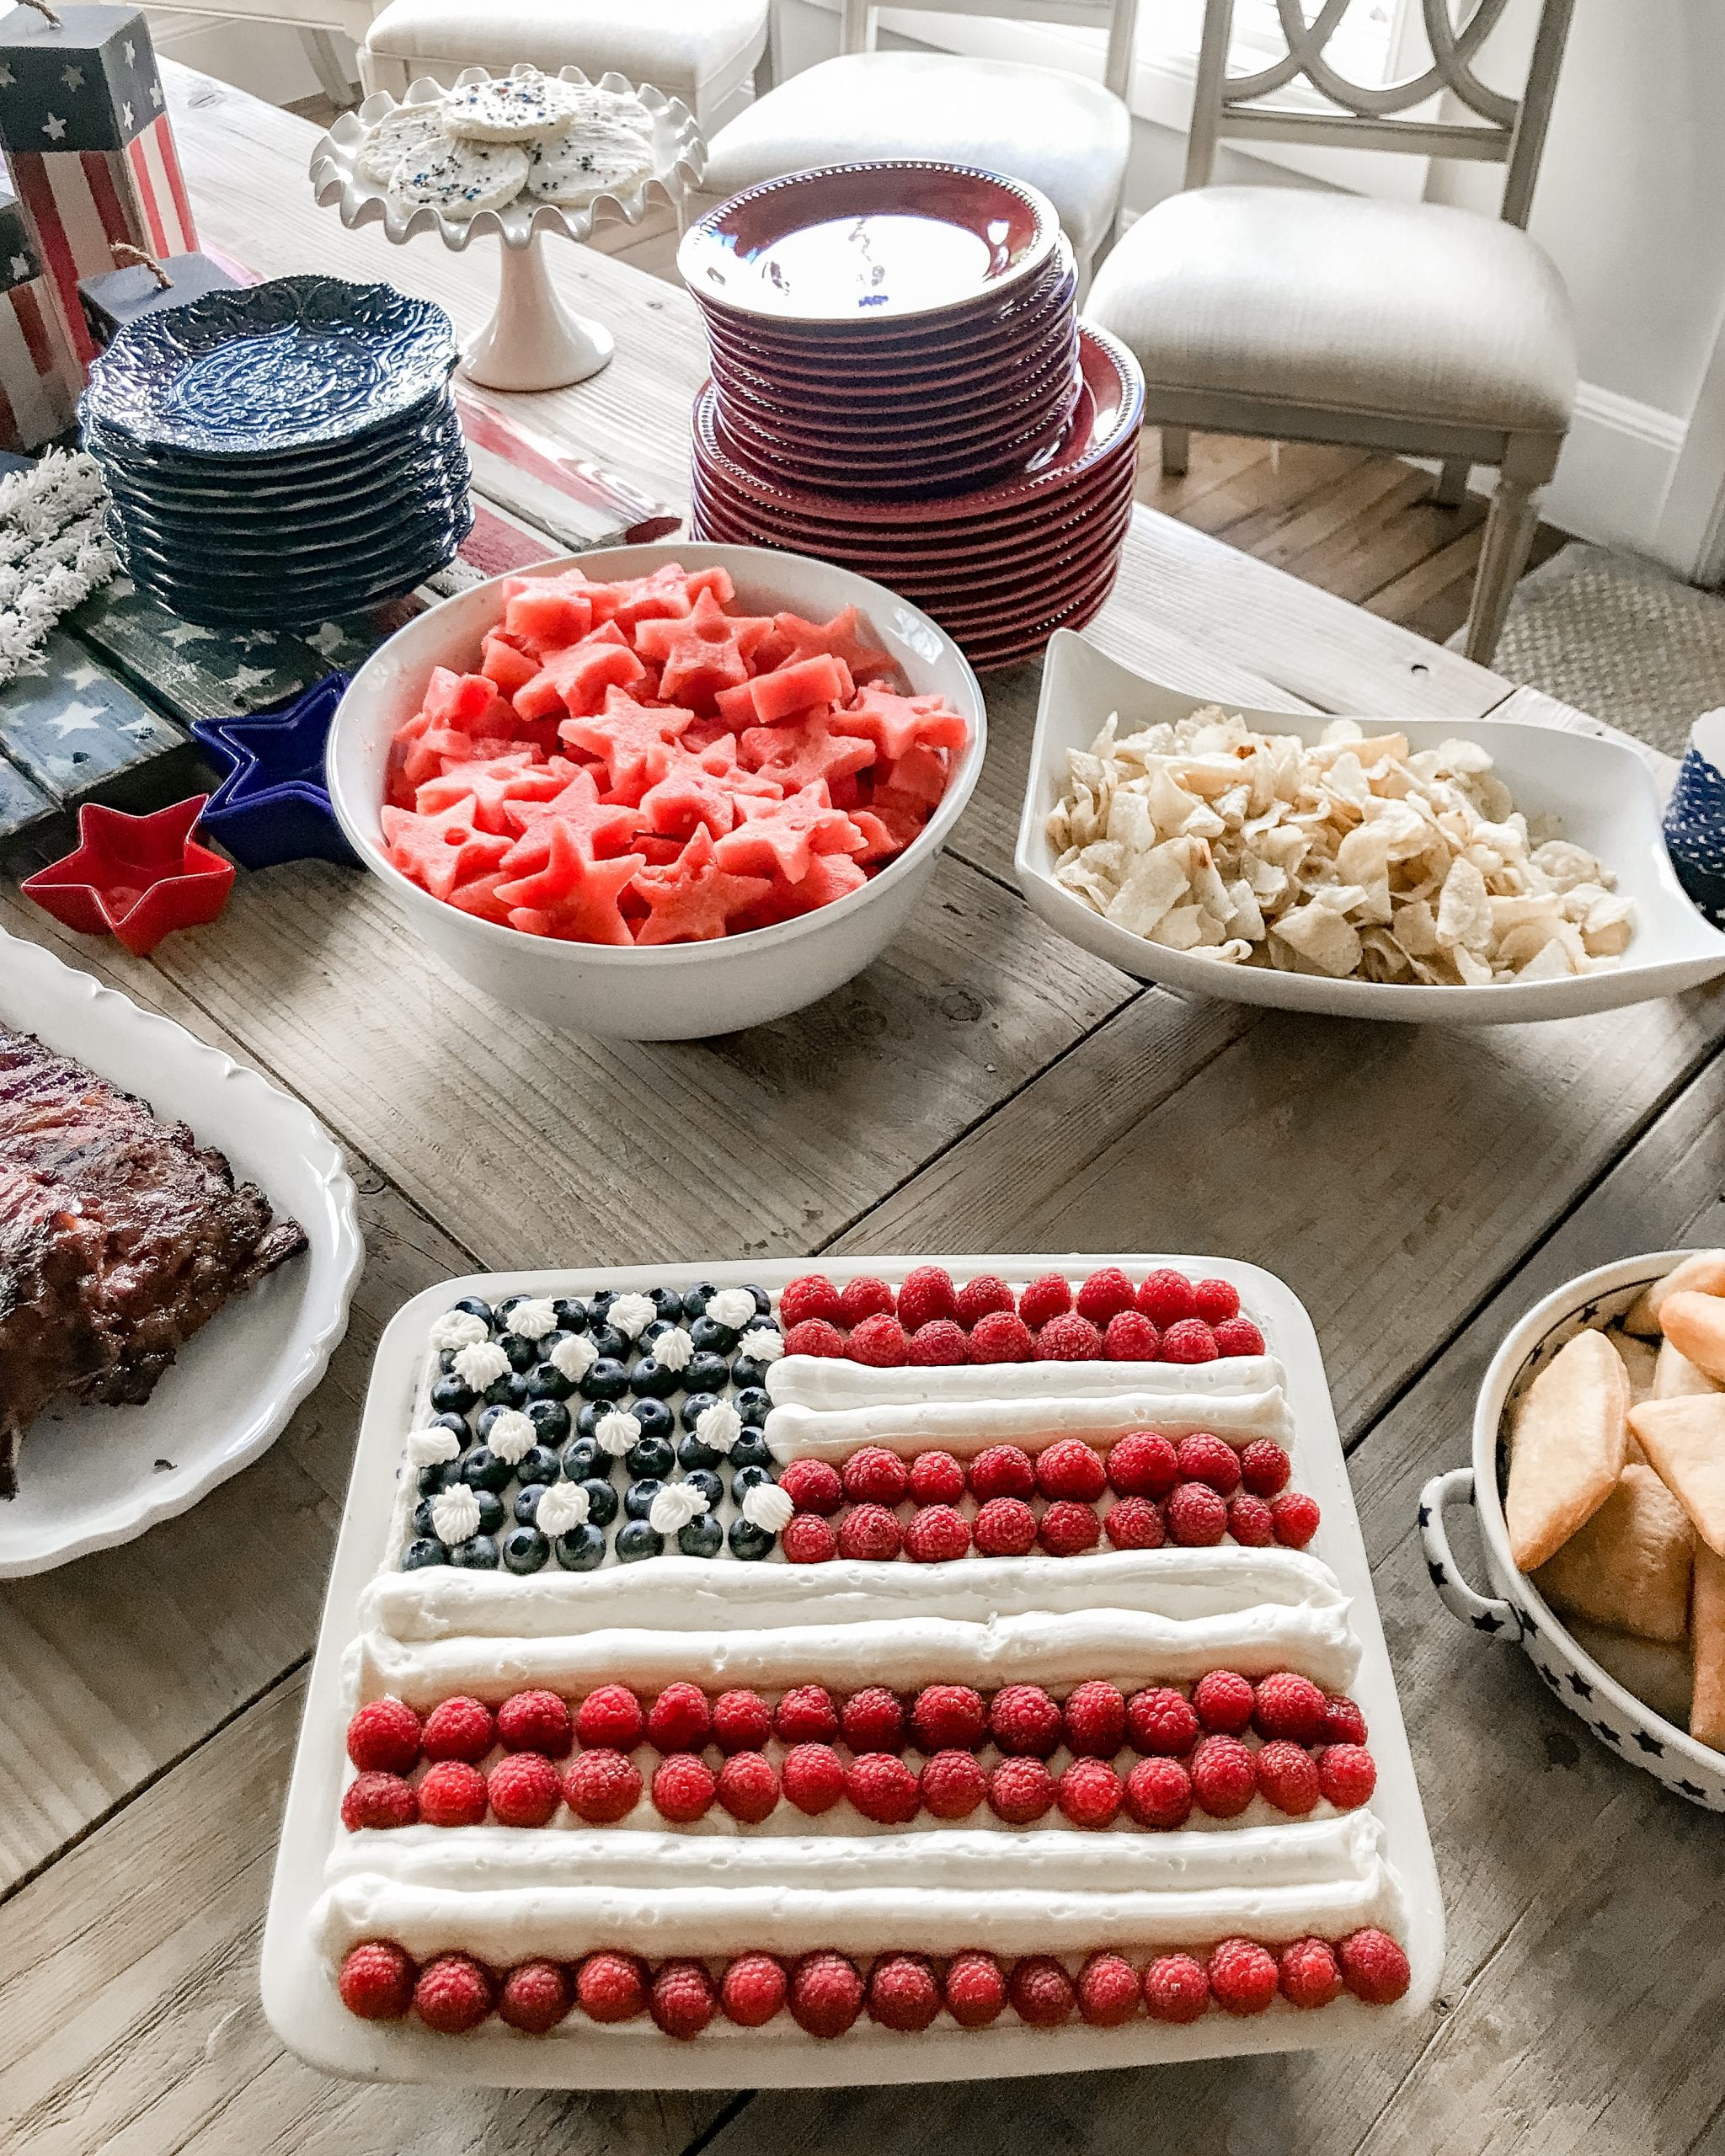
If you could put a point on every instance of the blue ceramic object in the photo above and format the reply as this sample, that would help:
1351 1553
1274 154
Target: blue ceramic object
1694 821
273 805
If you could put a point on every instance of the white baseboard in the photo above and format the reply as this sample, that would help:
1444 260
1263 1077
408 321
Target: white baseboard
1611 480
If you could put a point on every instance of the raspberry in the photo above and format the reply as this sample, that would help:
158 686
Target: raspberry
937 1535
523 1789
812 1779
826 1994
535 1721
1176 1988
975 1990
378 1800
926 1293
811 1295
813 1336
1374 1967
383 1737
1069 1339
978 1297
376 1981
1041 1991
870 1531
882 1788
1022 1718
1006 1527
682 2001
874 1721
1091 1793
1049 1297
875 1476
453 1993
1295 1517
880 1342
1104 1295
748 1788
1068 1528
601 1787
902 1992
1309 1974
1021 1791
1166 1298
457 1729
1143 1464
683 1787
806 1715
1346 1775
611 1986
451 1794
1224 1779
1224 1700
813 1486
946 1715
1001 1337
1243 1976
1131 1337
1264 1467
1159 1793
535 1997
952 1784
1249 1521
939 1345
741 1721
1288 1776
1107 1991
1238 1336
1215 1301
1003 1471
680 1719
1197 1517
1343 1722
1287 1705
1094 1720
753 1990
1070 1469
1162 1722
1134 1524
1190 1341
937 1479
864 1297
808 1539
1202 1458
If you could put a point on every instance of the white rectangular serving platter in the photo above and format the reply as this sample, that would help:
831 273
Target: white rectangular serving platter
1602 791
300 1998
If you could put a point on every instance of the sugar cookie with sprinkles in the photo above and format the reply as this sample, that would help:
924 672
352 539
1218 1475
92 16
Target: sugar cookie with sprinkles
515 108
600 158
410 131
461 179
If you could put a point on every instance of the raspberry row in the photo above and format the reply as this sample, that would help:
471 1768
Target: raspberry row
827 1993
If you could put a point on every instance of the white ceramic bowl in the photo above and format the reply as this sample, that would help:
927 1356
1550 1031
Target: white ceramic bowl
674 991
1602 794
1516 1609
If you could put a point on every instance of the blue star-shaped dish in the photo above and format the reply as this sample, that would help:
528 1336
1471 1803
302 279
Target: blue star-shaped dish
273 806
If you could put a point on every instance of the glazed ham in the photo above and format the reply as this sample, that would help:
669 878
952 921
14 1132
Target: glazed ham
120 1236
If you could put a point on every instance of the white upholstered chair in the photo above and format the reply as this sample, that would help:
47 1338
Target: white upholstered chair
1410 326
1061 133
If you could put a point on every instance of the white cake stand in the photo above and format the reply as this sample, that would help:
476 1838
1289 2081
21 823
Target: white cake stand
532 341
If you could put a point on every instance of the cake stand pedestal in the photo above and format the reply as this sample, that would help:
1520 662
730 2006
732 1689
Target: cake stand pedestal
532 341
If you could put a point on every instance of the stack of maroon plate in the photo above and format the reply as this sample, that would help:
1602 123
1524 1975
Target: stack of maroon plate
900 384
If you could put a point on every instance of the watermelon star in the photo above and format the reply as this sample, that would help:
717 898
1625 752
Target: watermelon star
692 900
795 639
487 779
627 735
799 755
576 679
781 836
439 852
706 651
597 827
897 724
573 897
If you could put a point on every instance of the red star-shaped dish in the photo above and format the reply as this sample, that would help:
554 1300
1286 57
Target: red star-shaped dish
135 877
692 899
573 896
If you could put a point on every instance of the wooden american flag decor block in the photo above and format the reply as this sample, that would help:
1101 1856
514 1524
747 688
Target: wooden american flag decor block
38 377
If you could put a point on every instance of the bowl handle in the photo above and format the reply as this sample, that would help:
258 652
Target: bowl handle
1485 1613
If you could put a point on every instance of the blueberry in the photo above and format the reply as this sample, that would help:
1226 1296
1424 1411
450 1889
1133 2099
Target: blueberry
763 1319
587 1418
486 1422
601 1502
456 1425
525 1549
550 1418
477 1554
695 1404
527 1507
749 1542
763 1301
585 1456
452 1395
580 1550
607 1379
507 1307
599 1302
692 1454
668 1303
490 1512
431 1479
522 1352
748 1375
751 1449
427 1551
510 1390
696 1300
708 1484
747 1478
481 1470
636 1540
655 1330
474 1308
650 1456
613 1345
653 1416
570 1313
701 1538
712 1338
422 1518
545 1381
653 1380
753 1404
537 1464
707 1373
638 1498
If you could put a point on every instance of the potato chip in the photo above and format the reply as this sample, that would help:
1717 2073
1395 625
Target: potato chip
1694 1324
1706 1717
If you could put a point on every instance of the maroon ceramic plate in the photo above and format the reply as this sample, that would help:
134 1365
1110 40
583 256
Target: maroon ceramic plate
886 243
1014 647
826 371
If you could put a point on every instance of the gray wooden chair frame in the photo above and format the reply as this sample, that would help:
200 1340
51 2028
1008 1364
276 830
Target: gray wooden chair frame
1501 130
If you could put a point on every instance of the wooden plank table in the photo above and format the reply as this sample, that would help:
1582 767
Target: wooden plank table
986 1086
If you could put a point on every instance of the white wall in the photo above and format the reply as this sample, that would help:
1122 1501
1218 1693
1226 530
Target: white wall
268 59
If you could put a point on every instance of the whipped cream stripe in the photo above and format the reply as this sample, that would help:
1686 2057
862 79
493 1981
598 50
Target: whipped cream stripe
968 1425
829 1382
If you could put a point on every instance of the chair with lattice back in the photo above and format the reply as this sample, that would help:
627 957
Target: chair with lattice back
1302 315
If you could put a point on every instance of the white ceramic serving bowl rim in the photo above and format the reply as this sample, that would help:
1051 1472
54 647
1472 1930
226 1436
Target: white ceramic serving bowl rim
358 812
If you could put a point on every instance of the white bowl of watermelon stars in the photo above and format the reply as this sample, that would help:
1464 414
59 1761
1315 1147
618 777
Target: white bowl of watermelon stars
682 990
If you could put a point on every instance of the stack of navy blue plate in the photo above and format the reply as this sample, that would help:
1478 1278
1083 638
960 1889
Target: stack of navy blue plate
281 454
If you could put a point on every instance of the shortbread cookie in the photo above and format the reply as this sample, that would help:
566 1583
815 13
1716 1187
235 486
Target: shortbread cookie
621 109
1676 1378
1701 1272
1567 1446
1640 1359
461 179
1694 1324
593 160
1656 1674
1686 1441
1706 1715
411 130
1629 1565
513 107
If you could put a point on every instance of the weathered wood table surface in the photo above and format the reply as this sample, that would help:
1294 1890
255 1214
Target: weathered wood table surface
984 1086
